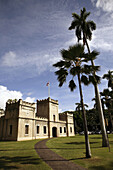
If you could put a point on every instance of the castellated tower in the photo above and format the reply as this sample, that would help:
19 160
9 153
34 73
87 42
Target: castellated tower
48 108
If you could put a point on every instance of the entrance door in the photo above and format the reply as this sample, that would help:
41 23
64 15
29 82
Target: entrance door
54 132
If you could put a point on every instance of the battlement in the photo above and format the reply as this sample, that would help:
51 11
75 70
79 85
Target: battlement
41 118
47 100
21 102
12 105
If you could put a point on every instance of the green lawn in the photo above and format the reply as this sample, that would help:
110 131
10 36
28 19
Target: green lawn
20 155
73 148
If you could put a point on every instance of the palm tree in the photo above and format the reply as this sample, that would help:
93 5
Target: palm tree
79 107
109 77
107 101
72 64
83 31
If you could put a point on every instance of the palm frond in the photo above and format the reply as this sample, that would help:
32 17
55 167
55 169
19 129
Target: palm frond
75 16
84 80
72 85
91 25
74 23
96 68
61 76
98 79
73 71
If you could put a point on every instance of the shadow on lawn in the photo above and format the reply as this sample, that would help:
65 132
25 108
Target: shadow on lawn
99 137
105 167
5 161
80 143
15 149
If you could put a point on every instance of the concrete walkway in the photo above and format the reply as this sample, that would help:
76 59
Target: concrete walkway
55 161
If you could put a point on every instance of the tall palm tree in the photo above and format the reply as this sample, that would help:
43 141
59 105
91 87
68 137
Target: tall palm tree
109 77
83 31
72 64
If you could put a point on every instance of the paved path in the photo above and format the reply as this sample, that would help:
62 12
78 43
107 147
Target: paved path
55 161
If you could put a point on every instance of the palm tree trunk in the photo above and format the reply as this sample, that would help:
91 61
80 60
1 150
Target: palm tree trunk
99 106
88 151
104 113
109 112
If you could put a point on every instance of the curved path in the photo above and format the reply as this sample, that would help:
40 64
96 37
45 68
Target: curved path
55 161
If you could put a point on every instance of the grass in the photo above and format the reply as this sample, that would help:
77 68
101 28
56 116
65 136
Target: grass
20 155
73 149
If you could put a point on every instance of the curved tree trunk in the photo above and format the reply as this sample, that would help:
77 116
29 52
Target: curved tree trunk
99 106
88 151
104 113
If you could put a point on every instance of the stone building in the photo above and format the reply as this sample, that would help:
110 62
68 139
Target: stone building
1 112
26 121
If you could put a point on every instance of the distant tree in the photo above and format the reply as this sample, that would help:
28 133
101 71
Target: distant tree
107 101
109 77
79 106
78 117
83 31
93 120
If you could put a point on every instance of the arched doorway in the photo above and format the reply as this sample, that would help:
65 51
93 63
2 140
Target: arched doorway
54 132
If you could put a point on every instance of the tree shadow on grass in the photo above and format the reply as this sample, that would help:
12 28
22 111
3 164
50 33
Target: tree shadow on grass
76 143
103 167
15 149
80 143
5 161
82 158
99 137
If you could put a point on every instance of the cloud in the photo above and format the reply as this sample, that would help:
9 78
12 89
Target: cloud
10 59
33 62
30 100
6 94
102 39
106 5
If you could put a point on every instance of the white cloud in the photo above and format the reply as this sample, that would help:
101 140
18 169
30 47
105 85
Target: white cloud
38 62
6 94
9 59
29 93
106 5
102 39
30 100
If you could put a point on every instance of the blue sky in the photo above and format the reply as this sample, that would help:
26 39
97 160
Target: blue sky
32 33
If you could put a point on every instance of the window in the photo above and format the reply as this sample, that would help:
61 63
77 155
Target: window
54 118
71 129
37 130
64 129
44 129
60 129
26 129
10 130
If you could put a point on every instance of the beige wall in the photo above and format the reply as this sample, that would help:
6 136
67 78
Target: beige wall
23 114
26 110
54 111
41 123
42 108
6 129
21 129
